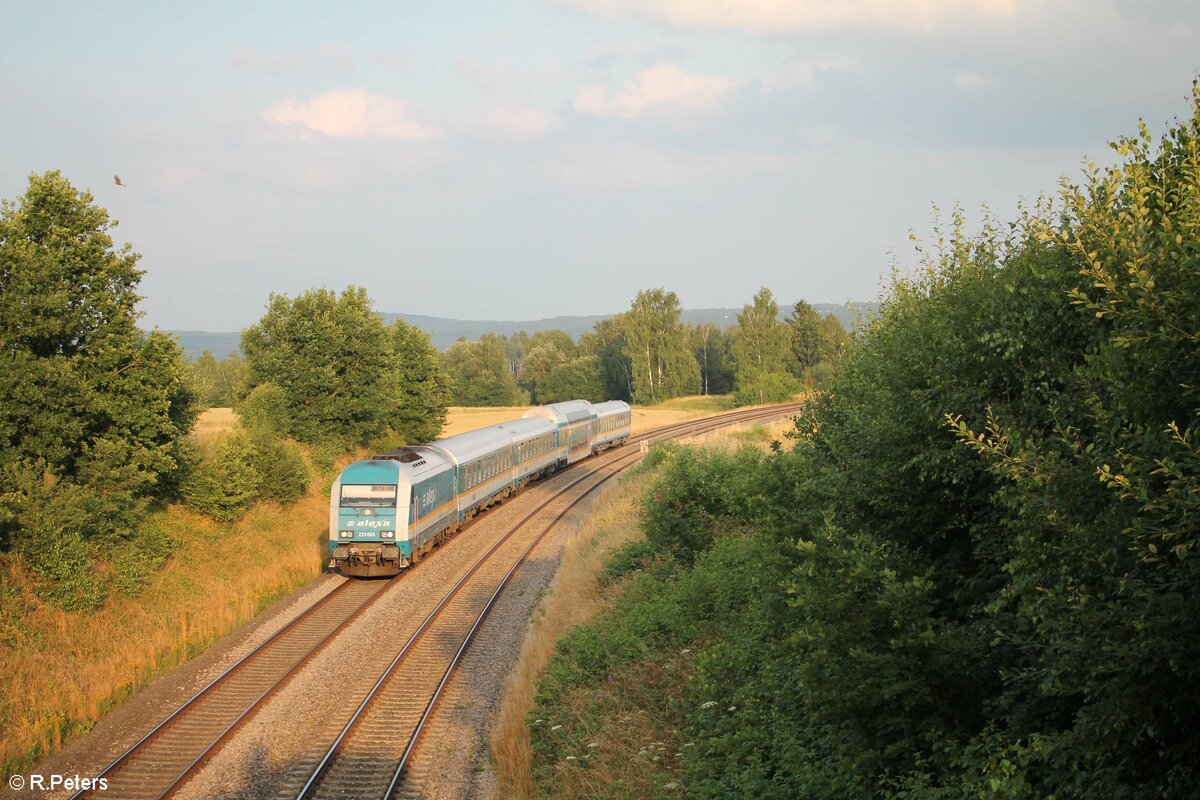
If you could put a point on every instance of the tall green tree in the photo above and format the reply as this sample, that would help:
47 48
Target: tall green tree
761 346
658 347
558 338
92 410
479 373
807 337
578 379
331 357
540 361
606 341
418 386
711 346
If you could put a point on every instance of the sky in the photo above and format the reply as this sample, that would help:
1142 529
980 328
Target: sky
534 158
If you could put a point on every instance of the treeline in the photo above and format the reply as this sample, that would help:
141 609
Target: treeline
647 354
975 574
644 355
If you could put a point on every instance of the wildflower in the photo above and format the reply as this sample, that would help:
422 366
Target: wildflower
709 704
732 708
690 744
658 758
671 785
538 721
556 727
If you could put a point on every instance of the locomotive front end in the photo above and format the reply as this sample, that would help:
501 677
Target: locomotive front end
368 515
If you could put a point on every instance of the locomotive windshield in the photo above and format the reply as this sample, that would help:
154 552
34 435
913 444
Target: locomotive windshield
365 495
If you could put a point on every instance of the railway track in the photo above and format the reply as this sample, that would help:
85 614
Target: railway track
165 758
369 757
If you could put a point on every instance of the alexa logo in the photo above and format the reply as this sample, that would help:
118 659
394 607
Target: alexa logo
368 523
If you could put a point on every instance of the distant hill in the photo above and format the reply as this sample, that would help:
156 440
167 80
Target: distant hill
443 331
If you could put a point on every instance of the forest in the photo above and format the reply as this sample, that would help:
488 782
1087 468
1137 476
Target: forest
971 571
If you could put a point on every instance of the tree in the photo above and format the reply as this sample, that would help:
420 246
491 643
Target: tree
656 344
418 386
539 362
331 357
760 351
217 382
834 338
479 373
807 338
606 341
558 338
92 410
579 379
711 346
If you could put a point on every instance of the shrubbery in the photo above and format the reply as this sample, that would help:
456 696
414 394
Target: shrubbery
976 573
243 468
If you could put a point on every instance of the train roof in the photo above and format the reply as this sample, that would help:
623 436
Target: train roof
563 413
413 459
471 445
527 427
609 407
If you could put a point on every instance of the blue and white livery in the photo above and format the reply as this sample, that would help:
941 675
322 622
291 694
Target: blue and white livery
389 510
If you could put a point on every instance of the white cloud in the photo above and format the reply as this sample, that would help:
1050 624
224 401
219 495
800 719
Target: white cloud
254 61
521 123
791 16
350 113
665 86
967 81
339 59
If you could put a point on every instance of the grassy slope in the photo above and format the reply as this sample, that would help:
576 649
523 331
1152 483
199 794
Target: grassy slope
205 590
624 731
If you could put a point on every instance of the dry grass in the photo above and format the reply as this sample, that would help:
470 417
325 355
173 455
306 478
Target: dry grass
68 668
467 418
461 419
214 423
575 598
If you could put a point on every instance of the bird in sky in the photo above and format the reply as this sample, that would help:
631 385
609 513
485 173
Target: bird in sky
117 180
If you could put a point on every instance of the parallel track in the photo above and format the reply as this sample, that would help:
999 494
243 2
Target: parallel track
163 760
369 757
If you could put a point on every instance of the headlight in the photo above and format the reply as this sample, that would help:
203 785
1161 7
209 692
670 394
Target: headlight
388 534
346 534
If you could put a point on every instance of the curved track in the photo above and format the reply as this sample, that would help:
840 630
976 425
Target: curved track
370 755
163 760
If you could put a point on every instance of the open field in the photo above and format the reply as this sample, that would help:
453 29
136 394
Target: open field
216 421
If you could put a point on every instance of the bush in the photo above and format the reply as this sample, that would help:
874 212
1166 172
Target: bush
224 484
282 471
265 409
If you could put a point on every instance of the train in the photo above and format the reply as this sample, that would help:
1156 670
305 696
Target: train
387 511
